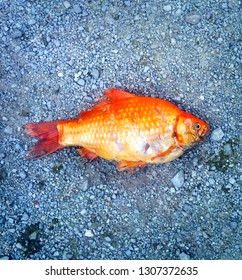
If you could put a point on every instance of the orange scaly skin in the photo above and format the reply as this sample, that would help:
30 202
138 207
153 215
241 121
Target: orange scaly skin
129 129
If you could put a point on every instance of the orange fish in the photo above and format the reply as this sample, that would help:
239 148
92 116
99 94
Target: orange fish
132 130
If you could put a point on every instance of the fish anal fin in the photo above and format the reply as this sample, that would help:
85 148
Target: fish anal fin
83 152
130 165
117 94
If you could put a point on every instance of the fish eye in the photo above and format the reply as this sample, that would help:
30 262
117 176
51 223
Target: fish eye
196 126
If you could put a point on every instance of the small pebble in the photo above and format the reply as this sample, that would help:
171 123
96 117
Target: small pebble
67 4
19 246
217 134
56 254
173 41
2 155
167 8
4 258
240 178
77 9
220 40
232 181
178 179
33 235
32 21
211 181
95 74
25 217
22 174
107 238
84 186
81 82
228 149
184 256
88 233
8 130
192 18
128 253
16 34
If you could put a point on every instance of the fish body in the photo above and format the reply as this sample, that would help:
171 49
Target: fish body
126 128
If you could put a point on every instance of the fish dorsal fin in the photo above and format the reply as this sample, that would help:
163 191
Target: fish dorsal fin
111 95
117 94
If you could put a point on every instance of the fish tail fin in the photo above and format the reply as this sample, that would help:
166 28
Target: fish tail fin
48 135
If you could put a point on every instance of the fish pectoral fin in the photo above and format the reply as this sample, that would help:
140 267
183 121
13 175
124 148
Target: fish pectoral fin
165 153
83 152
124 165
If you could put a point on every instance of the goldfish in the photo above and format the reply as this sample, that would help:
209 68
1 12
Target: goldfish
132 130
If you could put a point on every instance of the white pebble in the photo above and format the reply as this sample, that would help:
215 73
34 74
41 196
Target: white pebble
178 179
88 233
217 134
81 82
167 8
22 174
232 181
173 41
220 40
67 4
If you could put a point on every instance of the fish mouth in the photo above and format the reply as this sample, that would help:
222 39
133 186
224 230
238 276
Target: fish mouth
203 133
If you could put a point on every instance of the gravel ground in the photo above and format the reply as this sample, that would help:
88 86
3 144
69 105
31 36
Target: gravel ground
56 58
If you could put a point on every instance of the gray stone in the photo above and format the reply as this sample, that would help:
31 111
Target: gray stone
228 149
8 130
32 21
128 253
4 258
95 73
167 8
232 181
57 43
22 174
56 254
193 18
84 186
217 134
184 256
19 246
33 235
77 9
16 34
2 155
25 217
67 4
178 179
81 82
173 41
107 238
